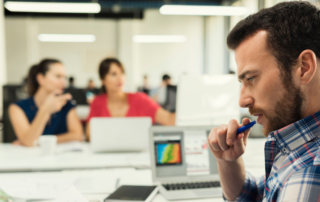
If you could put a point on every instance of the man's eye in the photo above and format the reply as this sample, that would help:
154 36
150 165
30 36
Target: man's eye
250 79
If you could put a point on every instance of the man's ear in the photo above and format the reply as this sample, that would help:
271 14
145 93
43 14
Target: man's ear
307 66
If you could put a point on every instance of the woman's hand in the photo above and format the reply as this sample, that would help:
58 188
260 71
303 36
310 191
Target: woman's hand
53 103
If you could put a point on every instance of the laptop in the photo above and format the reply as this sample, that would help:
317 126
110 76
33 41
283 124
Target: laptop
182 164
119 134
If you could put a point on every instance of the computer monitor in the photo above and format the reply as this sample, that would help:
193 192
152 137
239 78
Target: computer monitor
78 95
207 100
171 99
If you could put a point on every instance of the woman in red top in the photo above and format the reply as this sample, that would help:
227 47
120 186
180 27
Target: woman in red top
116 103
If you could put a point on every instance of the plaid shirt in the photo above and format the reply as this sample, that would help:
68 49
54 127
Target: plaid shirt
292 165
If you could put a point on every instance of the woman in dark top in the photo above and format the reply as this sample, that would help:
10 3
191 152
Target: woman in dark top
48 111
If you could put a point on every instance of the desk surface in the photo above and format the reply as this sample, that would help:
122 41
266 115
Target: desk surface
18 159
15 158
127 176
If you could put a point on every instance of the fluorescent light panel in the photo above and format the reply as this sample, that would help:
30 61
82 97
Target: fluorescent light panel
67 38
159 38
203 10
44 7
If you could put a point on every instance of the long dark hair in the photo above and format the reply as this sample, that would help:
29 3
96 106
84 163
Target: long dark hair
104 69
41 68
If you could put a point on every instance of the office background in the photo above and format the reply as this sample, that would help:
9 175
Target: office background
201 51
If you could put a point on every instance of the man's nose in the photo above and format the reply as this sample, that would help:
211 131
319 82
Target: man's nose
246 100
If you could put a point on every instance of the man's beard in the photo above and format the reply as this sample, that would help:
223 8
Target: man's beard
288 109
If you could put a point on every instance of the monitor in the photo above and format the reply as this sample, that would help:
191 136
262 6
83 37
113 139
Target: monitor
207 100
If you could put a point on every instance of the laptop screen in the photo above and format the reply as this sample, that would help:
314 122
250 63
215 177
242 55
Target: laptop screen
183 153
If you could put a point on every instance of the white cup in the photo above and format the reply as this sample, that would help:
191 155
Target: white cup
48 144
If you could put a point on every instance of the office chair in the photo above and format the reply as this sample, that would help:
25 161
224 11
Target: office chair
11 94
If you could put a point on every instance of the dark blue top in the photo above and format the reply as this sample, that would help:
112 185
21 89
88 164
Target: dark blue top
58 121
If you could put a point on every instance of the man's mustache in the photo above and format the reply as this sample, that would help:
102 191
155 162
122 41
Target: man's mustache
256 110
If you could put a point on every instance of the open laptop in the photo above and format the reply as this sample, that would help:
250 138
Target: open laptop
182 164
119 134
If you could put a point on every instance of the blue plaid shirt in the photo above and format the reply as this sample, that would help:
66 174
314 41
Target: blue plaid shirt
292 165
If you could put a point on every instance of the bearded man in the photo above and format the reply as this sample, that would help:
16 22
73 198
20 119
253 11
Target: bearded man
277 52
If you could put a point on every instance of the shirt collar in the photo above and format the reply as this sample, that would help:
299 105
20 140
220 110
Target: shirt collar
295 135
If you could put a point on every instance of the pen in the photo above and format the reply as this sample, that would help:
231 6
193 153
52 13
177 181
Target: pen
245 127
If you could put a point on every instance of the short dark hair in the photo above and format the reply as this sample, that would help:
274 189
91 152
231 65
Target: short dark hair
165 77
104 69
291 27
71 79
41 68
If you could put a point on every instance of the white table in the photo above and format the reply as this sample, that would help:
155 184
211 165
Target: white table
127 176
15 158
18 158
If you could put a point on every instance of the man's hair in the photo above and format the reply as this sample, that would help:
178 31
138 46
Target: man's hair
71 79
291 27
165 77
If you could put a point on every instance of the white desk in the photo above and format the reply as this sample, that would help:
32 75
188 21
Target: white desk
15 158
127 176
18 158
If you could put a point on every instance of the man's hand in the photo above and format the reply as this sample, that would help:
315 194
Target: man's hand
224 142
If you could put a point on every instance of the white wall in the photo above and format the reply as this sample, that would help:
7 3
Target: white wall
81 59
215 44
3 74
156 59
114 38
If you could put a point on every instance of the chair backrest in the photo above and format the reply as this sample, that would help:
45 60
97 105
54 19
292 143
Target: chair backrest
11 94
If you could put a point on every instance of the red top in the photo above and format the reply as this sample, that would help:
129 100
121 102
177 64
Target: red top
140 105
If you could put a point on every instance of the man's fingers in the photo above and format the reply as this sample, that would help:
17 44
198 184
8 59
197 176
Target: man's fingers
213 141
232 131
239 146
246 133
214 145
222 138
245 121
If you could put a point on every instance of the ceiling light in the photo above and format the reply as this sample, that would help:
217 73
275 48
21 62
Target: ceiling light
67 38
159 38
203 10
45 7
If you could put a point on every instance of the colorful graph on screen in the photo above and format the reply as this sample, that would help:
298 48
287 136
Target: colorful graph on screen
169 153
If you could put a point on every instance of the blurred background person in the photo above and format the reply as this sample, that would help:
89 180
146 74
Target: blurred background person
160 94
116 103
145 87
71 83
91 91
47 111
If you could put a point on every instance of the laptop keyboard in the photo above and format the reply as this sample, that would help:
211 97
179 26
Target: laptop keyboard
196 185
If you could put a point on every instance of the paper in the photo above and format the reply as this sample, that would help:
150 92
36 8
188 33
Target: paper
71 195
69 147
196 153
35 188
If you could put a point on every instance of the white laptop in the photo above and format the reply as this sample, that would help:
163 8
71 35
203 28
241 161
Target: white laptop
182 164
119 134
